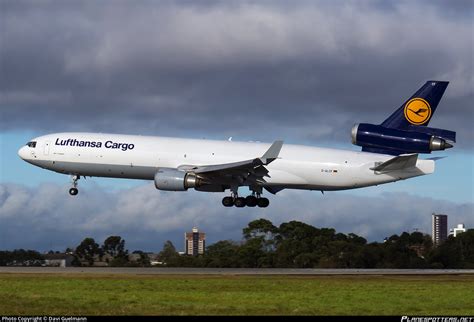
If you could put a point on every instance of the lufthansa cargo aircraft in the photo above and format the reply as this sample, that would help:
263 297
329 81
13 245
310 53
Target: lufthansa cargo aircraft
389 153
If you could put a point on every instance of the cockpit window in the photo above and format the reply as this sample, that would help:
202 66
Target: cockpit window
31 144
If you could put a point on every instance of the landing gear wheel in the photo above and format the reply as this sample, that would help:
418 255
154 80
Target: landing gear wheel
73 191
228 201
263 202
251 201
239 202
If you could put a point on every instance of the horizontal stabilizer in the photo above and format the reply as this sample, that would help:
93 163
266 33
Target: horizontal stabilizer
400 162
436 158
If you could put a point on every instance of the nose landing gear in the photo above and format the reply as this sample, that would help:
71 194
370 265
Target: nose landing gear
74 191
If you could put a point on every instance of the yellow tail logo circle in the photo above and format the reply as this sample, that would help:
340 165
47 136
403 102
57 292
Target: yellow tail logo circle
417 111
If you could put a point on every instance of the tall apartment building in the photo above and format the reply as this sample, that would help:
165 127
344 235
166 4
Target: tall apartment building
195 242
439 228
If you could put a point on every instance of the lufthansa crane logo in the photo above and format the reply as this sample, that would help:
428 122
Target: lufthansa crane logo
417 111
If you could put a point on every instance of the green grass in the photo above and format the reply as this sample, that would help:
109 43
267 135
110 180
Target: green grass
39 294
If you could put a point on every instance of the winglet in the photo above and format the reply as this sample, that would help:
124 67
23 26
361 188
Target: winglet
272 152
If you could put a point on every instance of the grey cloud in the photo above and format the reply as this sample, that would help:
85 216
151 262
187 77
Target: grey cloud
304 71
45 216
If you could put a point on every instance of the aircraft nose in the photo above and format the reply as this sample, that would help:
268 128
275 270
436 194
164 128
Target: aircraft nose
23 152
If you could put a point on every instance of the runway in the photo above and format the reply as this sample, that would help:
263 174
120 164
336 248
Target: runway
227 271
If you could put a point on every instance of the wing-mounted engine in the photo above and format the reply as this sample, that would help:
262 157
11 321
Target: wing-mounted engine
169 179
380 139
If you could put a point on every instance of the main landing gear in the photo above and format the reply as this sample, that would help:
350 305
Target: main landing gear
74 191
250 201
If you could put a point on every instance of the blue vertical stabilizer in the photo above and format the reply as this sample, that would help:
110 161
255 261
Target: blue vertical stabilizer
419 108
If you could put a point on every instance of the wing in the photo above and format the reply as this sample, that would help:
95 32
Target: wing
248 172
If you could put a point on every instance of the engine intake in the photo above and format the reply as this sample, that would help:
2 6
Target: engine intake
174 180
376 136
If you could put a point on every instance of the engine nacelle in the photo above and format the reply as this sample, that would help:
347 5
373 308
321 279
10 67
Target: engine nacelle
169 179
376 136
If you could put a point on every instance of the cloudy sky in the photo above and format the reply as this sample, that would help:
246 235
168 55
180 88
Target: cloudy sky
303 71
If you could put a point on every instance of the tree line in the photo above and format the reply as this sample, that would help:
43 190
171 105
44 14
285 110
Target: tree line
30 257
296 244
292 244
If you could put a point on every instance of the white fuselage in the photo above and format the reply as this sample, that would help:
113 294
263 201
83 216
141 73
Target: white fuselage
139 157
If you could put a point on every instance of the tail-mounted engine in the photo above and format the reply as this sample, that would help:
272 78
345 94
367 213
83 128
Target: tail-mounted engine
394 141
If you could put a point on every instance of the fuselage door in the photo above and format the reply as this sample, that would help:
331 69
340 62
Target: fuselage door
46 147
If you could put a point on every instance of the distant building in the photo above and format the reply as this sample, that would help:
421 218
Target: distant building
457 230
194 242
439 228
58 260
155 259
